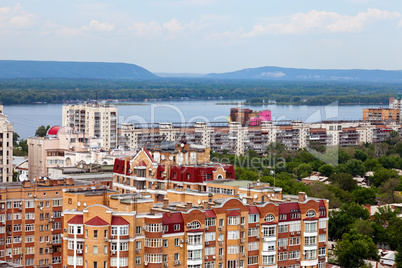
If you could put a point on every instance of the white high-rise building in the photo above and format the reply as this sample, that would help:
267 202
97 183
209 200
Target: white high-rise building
93 119
6 148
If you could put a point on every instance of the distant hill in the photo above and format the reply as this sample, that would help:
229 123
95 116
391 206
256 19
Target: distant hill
64 69
293 74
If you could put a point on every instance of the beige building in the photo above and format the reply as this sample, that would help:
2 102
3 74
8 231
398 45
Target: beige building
6 148
94 120
52 151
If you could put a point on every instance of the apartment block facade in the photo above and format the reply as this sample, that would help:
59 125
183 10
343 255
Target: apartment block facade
31 221
6 148
130 230
93 119
234 138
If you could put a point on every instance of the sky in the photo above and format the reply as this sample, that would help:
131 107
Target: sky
204 36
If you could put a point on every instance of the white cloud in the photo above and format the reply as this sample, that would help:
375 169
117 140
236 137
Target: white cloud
97 26
322 21
146 28
173 26
15 17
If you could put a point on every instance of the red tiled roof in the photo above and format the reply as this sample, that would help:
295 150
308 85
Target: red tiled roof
77 219
141 164
149 155
117 220
174 218
287 207
234 213
96 221
53 130
253 210
210 214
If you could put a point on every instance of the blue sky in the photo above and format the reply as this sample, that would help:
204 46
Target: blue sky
202 36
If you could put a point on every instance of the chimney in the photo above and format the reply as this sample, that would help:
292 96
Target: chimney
302 196
26 184
189 205
206 204
249 200
165 203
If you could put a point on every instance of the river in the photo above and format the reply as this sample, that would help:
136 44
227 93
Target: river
27 118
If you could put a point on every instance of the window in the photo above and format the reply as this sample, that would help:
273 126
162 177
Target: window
123 261
17 216
58 203
310 227
283 217
138 260
194 254
253 231
176 256
56 214
233 250
29 216
30 250
310 241
253 246
165 258
294 241
283 228
153 242
195 240
282 256
29 262
269 231
253 260
56 225
221 237
322 224
233 220
29 238
321 238
252 218
152 258
310 254
176 227
294 227
283 242
310 213
17 228
194 225
209 251
269 218
165 243
95 233
221 222
138 244
321 251
210 236
268 260
95 250
29 227
210 222
294 255
138 230
233 235
209 264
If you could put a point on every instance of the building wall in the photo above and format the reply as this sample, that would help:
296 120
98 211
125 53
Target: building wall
6 148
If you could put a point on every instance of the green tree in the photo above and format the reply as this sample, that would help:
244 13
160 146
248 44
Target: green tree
303 170
355 167
354 249
360 155
398 258
327 170
387 191
343 156
372 164
42 131
344 181
341 221
364 196
382 175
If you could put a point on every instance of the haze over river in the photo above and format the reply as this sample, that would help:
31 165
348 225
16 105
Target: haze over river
27 118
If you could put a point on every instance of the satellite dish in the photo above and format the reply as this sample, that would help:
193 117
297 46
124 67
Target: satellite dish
199 201
241 195
244 201
182 145
255 196
22 177
163 157
78 203
85 204
170 157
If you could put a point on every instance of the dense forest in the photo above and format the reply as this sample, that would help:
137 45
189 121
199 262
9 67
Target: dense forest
52 90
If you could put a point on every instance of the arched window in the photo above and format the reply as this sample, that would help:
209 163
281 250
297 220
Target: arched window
310 214
194 225
269 217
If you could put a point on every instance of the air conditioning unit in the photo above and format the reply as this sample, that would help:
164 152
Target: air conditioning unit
112 236
113 252
181 240
221 257
186 240
176 262
65 229
292 233
242 241
214 257
243 255
206 228
145 263
220 228
243 225
285 248
166 264
258 237
206 242
325 243
220 243
298 232
206 257
79 251
257 225
138 251
143 228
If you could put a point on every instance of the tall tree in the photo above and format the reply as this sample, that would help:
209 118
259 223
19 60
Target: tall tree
42 131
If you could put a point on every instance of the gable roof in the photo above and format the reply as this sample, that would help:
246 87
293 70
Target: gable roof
210 214
253 210
234 213
174 218
97 221
117 220
77 219
141 164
